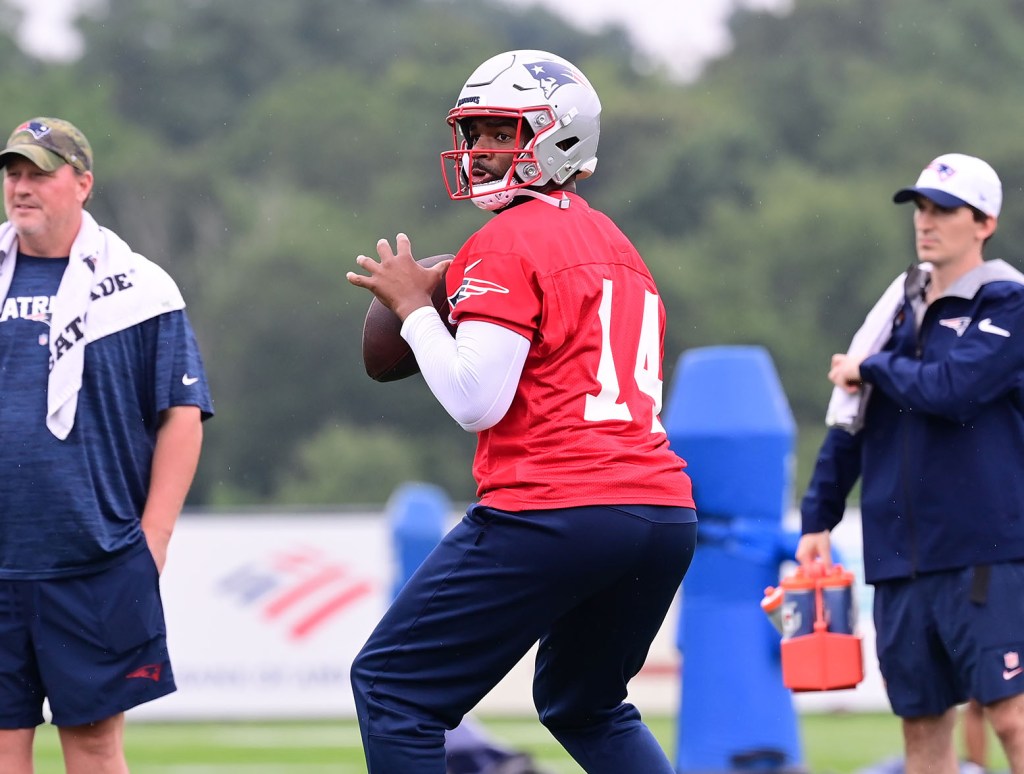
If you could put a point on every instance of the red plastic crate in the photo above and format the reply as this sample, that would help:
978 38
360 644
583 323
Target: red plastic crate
821 660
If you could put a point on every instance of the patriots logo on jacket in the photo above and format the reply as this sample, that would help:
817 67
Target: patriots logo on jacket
551 76
958 324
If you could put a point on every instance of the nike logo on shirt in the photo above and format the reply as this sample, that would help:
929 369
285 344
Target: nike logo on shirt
188 381
986 326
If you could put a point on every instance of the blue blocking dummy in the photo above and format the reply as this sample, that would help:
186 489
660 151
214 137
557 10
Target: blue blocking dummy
728 417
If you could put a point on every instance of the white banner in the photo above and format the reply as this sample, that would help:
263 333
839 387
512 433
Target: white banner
266 612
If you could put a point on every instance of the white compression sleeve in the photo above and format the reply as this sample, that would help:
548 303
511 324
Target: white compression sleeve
473 376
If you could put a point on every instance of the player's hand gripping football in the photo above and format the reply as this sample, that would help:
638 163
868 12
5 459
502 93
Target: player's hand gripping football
400 283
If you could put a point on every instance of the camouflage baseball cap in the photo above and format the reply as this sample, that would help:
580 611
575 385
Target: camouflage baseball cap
48 143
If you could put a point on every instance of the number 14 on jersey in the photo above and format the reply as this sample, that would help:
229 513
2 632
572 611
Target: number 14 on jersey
605 405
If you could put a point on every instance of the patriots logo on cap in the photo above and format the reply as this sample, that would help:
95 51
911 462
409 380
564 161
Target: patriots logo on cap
36 128
552 75
943 170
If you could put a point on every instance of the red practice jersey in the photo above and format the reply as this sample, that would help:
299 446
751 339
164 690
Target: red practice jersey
583 428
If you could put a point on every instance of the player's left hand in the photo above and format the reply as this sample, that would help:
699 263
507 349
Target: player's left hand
845 373
400 283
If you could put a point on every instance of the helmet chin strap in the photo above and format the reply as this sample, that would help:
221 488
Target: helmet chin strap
561 203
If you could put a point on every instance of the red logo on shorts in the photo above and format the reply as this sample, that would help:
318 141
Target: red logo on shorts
149 672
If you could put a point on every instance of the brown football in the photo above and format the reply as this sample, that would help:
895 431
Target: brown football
386 355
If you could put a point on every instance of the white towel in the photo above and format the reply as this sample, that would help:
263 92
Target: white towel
846 410
106 288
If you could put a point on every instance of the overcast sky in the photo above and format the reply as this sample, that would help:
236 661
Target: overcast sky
680 33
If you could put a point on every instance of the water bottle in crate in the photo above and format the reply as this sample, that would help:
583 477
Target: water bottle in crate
820 649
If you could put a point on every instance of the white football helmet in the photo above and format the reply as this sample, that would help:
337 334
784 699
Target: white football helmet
549 98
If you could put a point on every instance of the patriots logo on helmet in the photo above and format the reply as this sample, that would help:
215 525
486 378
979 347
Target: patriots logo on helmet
552 75
36 128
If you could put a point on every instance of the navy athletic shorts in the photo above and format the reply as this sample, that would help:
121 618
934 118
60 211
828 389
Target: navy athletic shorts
948 636
93 645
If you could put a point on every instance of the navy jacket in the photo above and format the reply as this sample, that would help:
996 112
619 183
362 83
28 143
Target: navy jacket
941 454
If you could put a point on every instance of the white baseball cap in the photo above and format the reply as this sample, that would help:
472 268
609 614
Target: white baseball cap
955 180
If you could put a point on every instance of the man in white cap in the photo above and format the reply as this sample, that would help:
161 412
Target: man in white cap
939 450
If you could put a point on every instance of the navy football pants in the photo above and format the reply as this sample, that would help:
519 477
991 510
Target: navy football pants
592 584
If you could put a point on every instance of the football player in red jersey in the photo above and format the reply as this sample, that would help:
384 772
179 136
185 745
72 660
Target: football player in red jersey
585 523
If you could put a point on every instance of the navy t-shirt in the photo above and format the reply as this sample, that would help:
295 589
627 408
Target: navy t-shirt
73 507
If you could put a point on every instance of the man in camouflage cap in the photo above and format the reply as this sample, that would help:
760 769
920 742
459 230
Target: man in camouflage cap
103 393
48 143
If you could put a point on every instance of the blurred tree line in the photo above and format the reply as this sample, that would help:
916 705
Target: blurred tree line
255 147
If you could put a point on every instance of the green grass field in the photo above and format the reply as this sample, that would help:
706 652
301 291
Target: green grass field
833 744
